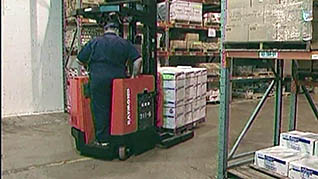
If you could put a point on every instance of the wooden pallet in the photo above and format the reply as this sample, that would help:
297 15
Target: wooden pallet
186 128
268 46
184 22
210 50
175 50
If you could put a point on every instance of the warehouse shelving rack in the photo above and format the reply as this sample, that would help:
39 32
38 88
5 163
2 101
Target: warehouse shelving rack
228 159
167 26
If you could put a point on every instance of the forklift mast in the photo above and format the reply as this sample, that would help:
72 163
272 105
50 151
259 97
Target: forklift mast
131 12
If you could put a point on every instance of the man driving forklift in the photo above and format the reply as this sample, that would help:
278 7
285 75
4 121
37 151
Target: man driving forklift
106 58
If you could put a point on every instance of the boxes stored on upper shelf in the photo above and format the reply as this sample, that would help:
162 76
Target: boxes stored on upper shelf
186 11
256 33
232 31
299 141
276 159
238 4
93 1
196 45
306 167
213 69
173 117
272 21
192 37
262 3
178 44
211 18
195 14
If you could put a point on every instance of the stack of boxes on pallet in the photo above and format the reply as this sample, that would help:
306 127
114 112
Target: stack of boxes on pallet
185 11
271 21
296 157
192 42
184 90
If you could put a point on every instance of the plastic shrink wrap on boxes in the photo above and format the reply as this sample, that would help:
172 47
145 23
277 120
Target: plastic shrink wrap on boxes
305 168
276 159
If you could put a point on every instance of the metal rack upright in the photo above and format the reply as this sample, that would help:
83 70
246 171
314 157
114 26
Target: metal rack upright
224 155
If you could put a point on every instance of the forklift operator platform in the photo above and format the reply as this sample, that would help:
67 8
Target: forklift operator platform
106 57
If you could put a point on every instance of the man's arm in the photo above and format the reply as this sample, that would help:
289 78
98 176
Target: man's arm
137 67
84 55
135 57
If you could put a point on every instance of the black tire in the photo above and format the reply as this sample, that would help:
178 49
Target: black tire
122 153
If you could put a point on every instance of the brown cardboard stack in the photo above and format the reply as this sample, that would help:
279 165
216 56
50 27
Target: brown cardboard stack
178 44
192 40
270 21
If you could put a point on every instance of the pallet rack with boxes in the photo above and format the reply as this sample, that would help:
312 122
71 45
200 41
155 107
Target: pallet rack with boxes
183 31
228 160
188 32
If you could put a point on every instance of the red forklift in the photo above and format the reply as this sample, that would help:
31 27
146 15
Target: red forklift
136 114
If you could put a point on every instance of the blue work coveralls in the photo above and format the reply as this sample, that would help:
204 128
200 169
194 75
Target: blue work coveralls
107 57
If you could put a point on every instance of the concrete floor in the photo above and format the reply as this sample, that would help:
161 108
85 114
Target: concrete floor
40 147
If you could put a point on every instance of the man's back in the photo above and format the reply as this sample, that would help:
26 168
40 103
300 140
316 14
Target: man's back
108 55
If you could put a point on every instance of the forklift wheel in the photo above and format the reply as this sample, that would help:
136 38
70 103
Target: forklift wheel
122 151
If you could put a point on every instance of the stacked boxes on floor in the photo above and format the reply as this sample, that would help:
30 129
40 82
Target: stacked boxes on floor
174 95
297 152
184 90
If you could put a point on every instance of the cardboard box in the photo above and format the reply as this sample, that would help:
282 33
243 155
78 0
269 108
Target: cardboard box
173 117
195 114
232 31
173 97
202 113
189 75
179 11
196 12
235 16
299 141
197 45
178 44
261 33
238 4
202 90
203 77
192 37
201 102
306 167
253 15
276 159
172 77
262 3
188 113
190 94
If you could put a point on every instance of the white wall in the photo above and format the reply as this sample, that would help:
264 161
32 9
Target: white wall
31 57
